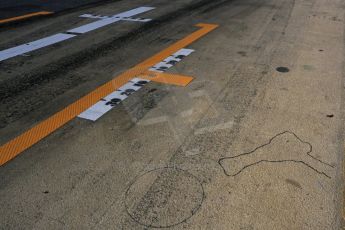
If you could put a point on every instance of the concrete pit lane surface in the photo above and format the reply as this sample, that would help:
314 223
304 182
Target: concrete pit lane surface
187 114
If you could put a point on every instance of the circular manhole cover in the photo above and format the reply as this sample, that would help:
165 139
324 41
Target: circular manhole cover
164 197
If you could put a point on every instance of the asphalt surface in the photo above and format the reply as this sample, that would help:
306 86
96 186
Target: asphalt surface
255 141
10 8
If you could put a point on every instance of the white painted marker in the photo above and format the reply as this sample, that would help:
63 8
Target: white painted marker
123 18
109 20
103 21
106 104
137 19
171 61
93 16
25 48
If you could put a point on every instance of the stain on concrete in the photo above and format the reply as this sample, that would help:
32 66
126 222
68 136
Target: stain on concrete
282 69
294 183
308 67
242 53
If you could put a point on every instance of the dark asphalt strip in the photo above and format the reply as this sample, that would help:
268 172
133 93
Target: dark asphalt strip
9 12
10 8
55 70
21 84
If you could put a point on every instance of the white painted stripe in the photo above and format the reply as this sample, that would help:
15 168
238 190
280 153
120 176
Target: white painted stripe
25 48
136 19
171 60
122 18
35 45
161 67
93 16
96 111
129 86
94 25
134 12
183 52
103 22
116 94
100 108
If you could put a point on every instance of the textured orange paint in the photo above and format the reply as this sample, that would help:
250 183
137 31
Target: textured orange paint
24 141
41 13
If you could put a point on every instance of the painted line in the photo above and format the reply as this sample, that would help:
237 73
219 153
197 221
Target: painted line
166 78
137 19
17 145
123 18
26 16
106 21
22 49
171 60
112 100
38 44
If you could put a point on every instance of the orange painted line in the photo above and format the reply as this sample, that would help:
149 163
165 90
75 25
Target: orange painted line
17 145
25 16
167 78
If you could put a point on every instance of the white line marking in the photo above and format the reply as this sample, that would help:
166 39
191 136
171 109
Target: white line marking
25 48
137 19
100 108
122 18
183 52
171 61
129 87
109 20
47 41
96 111
93 16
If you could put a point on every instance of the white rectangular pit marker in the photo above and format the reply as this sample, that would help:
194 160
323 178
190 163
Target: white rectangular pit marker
93 16
123 19
95 111
94 25
171 60
35 45
106 104
100 108
102 21
183 53
109 20
137 19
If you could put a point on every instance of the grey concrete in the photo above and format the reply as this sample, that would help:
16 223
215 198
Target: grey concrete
242 147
